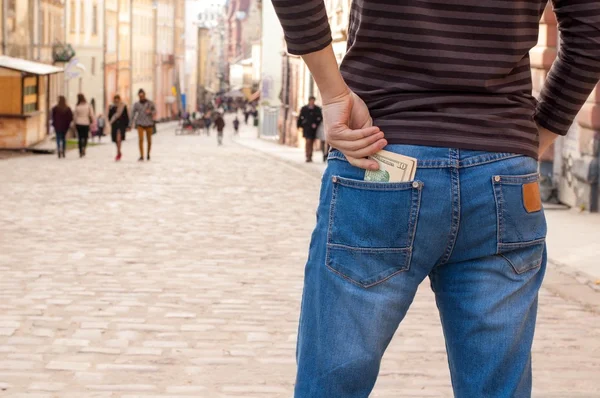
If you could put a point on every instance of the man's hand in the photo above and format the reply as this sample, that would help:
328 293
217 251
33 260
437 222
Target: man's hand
349 128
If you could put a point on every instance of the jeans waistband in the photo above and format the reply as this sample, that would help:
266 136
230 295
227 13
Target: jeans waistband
439 157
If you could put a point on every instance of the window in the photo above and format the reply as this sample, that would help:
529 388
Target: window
93 66
30 94
73 17
95 19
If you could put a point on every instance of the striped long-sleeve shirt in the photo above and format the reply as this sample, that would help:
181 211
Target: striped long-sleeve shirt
456 73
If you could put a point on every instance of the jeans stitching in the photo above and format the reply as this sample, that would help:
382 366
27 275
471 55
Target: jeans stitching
369 285
520 272
518 180
444 163
329 226
466 164
519 245
372 250
455 194
375 186
499 214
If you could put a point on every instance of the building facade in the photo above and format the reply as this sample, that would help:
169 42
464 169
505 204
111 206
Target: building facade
179 37
111 56
165 95
272 48
85 33
124 51
18 29
143 27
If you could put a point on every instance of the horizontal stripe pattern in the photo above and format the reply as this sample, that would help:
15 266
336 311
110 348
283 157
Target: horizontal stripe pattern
456 73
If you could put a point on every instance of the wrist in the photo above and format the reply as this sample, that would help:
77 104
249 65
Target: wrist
335 95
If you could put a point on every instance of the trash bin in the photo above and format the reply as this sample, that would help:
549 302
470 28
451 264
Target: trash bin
256 122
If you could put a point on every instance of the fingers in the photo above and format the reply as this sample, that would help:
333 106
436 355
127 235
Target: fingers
367 151
360 148
363 163
342 144
345 134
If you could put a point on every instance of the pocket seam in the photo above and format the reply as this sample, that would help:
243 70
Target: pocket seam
535 266
403 269
376 186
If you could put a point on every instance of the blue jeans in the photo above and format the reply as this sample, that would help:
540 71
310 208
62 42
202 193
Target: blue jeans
465 224
61 141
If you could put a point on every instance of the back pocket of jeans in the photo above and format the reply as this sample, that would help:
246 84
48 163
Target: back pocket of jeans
521 221
371 229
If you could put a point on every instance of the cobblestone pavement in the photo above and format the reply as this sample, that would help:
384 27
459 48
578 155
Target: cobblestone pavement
182 278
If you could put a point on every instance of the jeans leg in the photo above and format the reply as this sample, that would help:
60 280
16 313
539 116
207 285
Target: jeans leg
59 142
141 140
149 138
345 328
309 148
487 291
488 315
80 134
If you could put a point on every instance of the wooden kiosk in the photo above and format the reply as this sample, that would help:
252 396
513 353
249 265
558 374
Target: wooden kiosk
24 102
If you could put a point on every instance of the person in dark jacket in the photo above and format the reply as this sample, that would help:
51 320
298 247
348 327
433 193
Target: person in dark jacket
236 126
62 117
220 126
118 117
309 120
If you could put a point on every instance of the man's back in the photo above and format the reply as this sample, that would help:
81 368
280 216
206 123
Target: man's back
457 73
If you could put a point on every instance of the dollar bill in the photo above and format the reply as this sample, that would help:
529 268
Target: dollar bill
393 167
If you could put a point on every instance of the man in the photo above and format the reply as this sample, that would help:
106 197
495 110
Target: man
220 126
143 115
447 83
309 120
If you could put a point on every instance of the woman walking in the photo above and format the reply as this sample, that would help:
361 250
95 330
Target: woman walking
118 117
84 117
62 116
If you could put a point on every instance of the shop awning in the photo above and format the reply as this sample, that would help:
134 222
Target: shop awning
23 65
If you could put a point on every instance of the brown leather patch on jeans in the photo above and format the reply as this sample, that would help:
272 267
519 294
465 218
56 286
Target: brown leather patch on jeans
531 197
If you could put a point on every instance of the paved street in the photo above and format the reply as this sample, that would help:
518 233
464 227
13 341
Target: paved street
182 278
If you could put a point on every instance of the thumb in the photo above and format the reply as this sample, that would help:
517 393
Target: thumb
368 123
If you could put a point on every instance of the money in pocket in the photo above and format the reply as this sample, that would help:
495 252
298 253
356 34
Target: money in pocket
393 167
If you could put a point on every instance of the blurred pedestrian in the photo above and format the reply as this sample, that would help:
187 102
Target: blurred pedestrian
62 117
247 112
321 137
101 123
236 126
118 117
309 120
207 122
143 114
220 126
84 118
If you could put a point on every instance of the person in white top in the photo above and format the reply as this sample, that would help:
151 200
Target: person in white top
84 118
